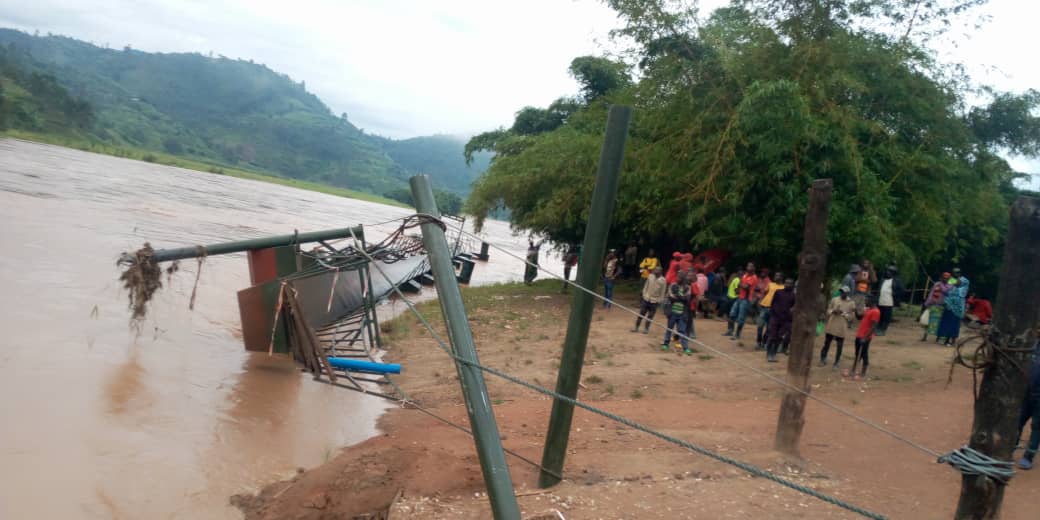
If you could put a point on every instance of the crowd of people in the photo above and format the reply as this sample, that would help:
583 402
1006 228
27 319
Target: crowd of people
688 287
861 307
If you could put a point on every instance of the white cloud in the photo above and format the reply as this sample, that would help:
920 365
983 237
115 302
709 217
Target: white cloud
410 67
398 68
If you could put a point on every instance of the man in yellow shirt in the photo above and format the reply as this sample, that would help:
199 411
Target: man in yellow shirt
764 305
648 264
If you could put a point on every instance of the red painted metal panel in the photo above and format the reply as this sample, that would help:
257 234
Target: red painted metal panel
263 265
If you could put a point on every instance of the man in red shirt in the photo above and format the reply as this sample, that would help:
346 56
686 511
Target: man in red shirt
979 310
672 275
871 317
745 292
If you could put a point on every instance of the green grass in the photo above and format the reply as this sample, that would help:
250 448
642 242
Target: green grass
195 164
637 394
913 365
397 328
594 380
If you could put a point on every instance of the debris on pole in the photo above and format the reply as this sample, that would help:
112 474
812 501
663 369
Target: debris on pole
589 272
812 272
1016 318
481 417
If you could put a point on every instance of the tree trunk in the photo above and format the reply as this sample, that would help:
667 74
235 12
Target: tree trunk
1016 317
812 271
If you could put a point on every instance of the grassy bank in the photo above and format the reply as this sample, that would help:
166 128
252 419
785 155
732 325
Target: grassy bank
194 164
506 305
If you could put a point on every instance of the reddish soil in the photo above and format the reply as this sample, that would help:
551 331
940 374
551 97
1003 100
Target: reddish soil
429 470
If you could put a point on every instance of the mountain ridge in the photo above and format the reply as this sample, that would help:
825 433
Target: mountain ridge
228 111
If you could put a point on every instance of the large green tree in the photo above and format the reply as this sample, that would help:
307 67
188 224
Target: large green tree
737 115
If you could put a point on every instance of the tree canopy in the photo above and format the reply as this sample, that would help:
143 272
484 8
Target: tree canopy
736 115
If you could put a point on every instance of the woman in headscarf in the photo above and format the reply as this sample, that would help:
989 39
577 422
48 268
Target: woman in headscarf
934 304
954 306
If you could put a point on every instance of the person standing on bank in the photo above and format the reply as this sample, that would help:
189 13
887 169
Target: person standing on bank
850 278
954 305
695 296
655 289
865 334
1031 412
781 315
717 292
570 259
531 271
611 271
840 311
771 286
866 277
934 305
745 292
647 266
732 288
889 294
672 274
679 302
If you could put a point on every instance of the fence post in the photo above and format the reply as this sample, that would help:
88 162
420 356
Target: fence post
1015 320
481 417
589 271
812 272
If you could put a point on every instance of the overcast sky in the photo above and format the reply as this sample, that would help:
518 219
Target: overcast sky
402 68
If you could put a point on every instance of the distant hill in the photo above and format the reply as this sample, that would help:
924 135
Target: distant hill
216 109
440 157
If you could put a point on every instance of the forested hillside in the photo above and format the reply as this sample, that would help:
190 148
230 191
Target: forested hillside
441 157
215 109
36 102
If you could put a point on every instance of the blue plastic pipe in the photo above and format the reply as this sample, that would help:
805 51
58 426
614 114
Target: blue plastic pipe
364 366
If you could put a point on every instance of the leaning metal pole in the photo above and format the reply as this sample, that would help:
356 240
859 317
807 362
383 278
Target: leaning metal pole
481 417
166 255
589 271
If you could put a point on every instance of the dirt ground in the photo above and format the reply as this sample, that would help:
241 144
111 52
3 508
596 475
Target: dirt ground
429 470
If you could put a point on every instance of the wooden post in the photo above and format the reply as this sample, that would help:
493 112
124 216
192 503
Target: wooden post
812 272
1016 317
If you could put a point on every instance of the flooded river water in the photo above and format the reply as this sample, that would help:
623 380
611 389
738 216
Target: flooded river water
100 422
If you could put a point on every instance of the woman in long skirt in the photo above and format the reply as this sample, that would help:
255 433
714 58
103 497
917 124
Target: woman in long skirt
934 305
950 326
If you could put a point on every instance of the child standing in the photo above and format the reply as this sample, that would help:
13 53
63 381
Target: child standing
679 302
871 318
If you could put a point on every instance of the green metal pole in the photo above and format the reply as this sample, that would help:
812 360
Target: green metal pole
166 255
481 417
589 272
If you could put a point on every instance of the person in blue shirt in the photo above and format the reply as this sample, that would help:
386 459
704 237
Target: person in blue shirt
1031 412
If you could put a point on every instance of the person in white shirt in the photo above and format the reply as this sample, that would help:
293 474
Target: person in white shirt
654 290
889 293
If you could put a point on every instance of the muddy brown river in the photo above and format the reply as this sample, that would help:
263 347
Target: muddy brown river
97 421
